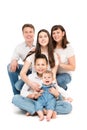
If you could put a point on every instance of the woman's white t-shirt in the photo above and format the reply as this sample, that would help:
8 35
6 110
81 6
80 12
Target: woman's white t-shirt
64 54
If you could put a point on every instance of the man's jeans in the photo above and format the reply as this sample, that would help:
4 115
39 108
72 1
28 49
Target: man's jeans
15 80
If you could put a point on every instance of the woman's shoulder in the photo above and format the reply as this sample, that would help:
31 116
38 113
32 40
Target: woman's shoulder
69 46
31 56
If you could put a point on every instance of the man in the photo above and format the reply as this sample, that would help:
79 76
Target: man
21 52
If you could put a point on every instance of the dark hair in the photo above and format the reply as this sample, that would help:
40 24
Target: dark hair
40 56
64 41
29 53
28 25
50 48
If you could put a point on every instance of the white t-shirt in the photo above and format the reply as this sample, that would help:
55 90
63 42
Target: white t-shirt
31 58
26 90
21 51
64 55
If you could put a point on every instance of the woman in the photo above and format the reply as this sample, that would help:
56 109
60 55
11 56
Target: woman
65 55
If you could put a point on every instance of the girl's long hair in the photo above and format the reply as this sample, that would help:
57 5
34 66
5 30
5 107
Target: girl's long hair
50 48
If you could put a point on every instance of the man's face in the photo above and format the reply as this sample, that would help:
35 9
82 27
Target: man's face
28 34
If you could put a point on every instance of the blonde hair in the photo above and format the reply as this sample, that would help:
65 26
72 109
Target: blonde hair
48 72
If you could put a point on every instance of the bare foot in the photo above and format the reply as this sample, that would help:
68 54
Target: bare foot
69 99
41 118
48 118
54 115
27 114
45 111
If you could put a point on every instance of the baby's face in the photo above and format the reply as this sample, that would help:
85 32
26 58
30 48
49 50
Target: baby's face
47 78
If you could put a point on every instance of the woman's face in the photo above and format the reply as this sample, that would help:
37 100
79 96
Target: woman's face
58 35
43 39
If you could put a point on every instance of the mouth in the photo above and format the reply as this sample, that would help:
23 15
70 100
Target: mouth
47 81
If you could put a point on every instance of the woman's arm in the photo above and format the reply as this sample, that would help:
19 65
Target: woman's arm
25 78
71 64
54 70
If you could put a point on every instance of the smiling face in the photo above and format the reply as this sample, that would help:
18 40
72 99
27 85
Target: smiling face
47 78
28 34
43 39
58 35
40 66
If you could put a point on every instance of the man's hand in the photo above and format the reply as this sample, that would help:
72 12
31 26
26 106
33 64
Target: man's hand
13 65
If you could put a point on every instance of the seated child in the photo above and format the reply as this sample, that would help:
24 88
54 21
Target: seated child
47 99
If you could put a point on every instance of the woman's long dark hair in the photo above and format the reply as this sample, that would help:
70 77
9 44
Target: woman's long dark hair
50 48
64 41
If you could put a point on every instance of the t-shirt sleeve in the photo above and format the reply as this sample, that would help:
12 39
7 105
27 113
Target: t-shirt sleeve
16 54
70 51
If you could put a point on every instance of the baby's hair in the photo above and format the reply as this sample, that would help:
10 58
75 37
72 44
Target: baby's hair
48 72
40 56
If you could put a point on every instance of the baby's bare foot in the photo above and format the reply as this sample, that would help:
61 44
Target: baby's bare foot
54 115
41 118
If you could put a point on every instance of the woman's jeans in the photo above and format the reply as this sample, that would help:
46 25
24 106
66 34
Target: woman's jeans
63 79
28 105
15 80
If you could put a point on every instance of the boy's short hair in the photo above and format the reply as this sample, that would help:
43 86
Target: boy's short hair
40 56
28 25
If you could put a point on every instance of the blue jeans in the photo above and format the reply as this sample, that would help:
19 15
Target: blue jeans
28 105
14 79
63 107
48 103
63 79
24 103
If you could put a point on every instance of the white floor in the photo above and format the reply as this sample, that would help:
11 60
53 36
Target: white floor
13 118
73 16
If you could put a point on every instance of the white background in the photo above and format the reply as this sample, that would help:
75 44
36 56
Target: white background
43 14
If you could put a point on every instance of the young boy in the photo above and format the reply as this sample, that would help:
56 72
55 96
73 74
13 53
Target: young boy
40 64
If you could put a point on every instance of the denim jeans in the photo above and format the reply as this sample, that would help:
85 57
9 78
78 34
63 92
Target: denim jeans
63 79
14 79
28 105
63 107
24 103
